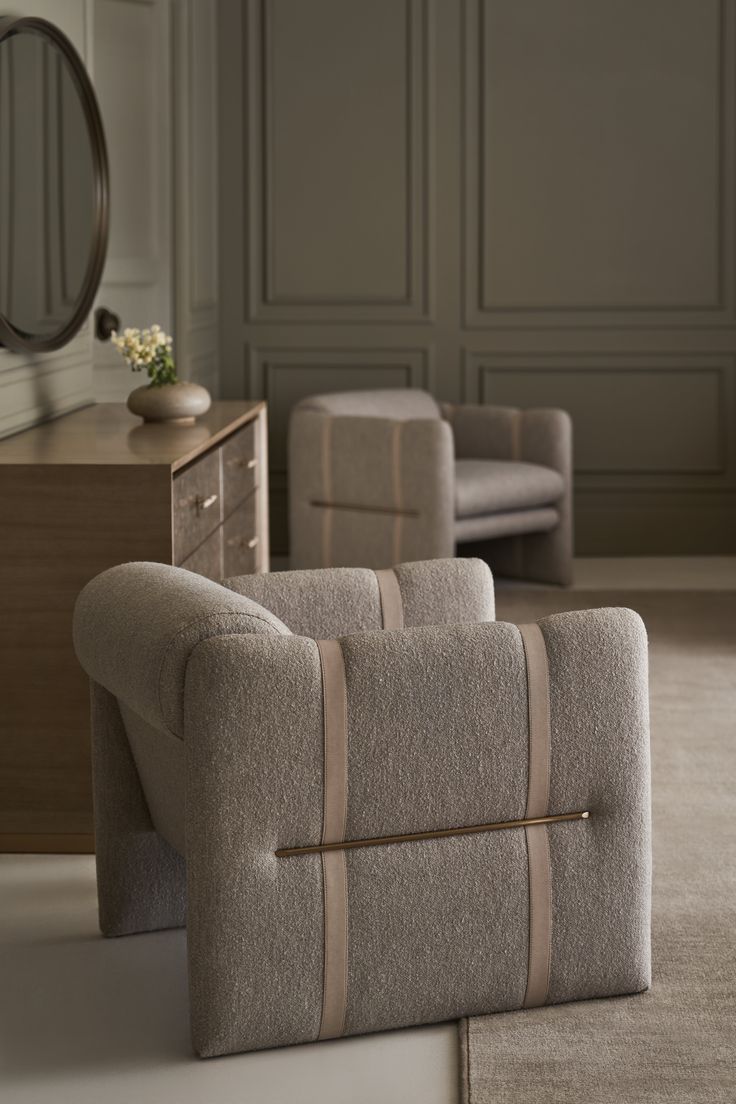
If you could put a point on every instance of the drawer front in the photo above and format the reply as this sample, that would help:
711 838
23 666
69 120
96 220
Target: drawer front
239 466
197 505
207 559
240 543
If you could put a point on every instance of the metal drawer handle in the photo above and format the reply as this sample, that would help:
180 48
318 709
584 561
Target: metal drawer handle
241 463
241 542
205 503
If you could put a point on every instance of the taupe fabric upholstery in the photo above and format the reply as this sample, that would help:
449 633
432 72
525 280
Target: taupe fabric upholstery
340 600
514 523
436 731
397 404
178 608
376 477
495 486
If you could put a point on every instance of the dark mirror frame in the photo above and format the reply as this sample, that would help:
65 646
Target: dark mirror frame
9 336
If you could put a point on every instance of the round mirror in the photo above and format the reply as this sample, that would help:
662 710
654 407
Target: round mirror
53 187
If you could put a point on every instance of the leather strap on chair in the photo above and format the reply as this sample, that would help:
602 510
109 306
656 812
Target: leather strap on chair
537 841
334 873
392 607
327 492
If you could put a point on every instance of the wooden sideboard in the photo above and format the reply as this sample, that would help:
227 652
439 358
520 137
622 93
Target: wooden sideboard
77 495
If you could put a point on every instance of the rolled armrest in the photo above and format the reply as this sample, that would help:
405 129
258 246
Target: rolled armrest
542 436
136 625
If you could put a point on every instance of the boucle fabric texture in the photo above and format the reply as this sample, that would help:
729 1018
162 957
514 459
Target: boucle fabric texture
368 491
492 486
675 1044
437 737
136 624
541 437
340 600
397 403
512 524
373 480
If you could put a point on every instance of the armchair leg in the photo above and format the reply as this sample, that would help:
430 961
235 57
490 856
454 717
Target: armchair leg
538 557
141 880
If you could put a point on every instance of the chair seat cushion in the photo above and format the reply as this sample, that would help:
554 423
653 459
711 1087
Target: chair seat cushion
495 486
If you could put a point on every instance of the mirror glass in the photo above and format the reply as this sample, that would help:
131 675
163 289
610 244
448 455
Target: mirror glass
50 211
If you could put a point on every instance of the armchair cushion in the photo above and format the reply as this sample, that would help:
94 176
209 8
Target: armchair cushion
495 486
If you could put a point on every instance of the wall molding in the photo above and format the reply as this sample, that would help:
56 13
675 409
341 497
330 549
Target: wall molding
478 308
264 301
716 370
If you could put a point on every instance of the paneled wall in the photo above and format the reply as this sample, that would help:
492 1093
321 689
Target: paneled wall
504 201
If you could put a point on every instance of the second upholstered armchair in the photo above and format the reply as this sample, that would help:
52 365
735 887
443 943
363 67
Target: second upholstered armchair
376 477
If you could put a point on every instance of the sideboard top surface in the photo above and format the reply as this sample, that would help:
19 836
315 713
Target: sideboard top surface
107 433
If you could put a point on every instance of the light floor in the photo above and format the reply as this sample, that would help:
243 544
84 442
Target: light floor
86 1020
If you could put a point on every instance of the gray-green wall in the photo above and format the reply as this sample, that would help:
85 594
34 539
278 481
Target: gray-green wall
514 201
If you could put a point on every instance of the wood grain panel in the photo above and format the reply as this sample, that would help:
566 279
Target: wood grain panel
80 495
44 734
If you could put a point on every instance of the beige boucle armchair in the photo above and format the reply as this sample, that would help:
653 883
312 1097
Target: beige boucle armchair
376 477
371 804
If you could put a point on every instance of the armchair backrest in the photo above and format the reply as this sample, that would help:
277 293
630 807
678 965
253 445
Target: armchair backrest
400 404
336 601
136 625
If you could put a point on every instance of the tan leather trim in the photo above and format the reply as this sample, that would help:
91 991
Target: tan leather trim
334 872
537 842
398 501
327 492
334 987
392 607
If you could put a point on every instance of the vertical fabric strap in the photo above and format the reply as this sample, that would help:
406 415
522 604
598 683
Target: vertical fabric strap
398 520
537 840
326 511
392 607
334 870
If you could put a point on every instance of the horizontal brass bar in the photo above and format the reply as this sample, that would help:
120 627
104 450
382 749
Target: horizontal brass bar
442 833
366 509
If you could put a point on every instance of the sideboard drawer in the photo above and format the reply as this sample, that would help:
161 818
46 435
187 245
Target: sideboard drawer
239 467
240 544
197 504
207 559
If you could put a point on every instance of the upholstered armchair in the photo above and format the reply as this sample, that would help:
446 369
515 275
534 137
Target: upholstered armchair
421 814
376 477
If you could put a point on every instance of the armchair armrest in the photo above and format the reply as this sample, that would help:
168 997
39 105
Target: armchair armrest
368 491
542 436
136 625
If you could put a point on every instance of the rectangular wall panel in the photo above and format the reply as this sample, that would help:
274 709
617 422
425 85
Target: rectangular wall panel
338 103
600 162
634 416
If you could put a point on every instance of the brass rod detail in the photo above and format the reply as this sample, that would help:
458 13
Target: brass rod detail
390 510
442 833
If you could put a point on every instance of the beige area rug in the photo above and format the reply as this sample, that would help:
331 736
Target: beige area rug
676 1043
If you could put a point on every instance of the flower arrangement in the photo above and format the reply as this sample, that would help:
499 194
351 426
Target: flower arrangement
150 350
